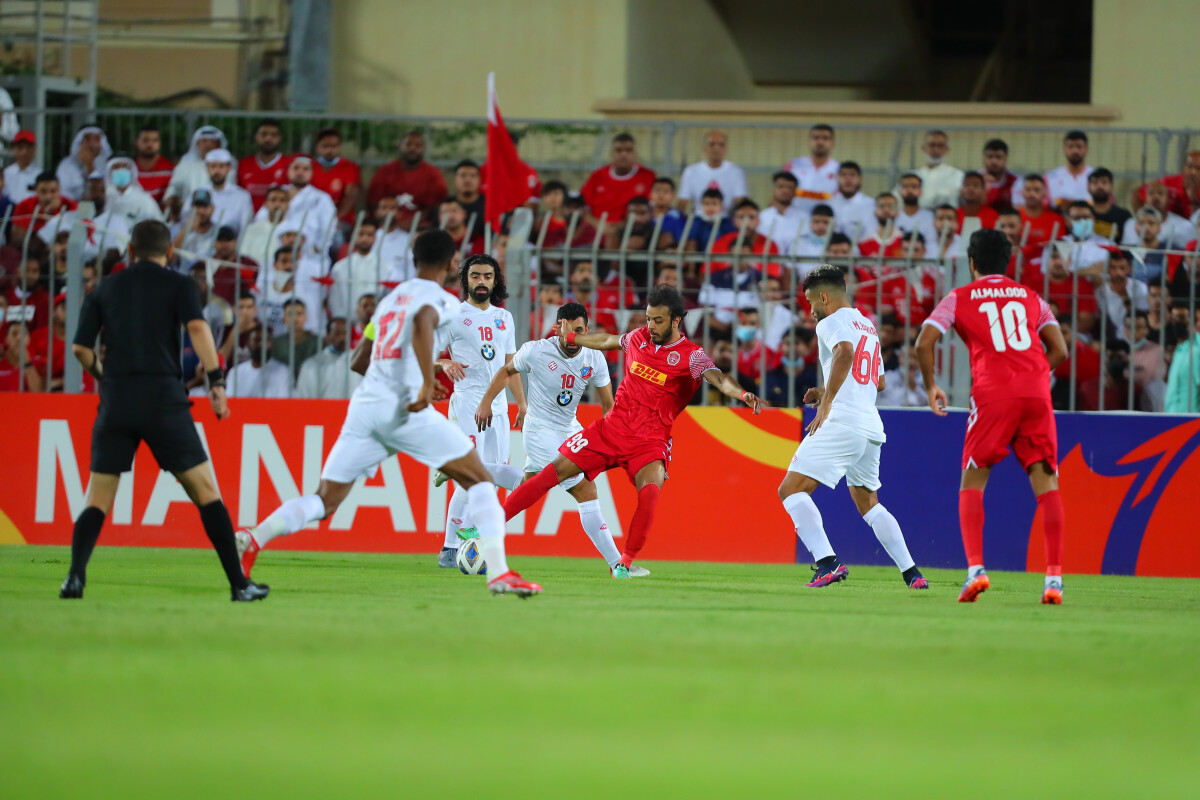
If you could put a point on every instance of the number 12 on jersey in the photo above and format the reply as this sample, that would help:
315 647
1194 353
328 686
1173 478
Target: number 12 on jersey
1009 325
389 331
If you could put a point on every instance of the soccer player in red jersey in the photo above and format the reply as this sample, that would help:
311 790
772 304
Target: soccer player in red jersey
663 369
1004 325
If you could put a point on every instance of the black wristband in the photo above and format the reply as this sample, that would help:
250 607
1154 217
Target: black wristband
216 377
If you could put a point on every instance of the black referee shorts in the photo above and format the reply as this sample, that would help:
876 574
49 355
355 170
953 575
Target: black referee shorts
154 410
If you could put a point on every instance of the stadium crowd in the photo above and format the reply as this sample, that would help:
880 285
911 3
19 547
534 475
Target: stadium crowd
290 252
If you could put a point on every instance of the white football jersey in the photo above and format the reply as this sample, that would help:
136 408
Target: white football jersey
394 368
1062 187
480 338
854 405
817 184
556 382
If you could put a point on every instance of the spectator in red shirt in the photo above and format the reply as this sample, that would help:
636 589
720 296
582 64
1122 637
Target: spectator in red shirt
266 168
1043 223
339 177
1061 289
554 203
454 222
1003 187
34 298
1009 223
1184 188
609 189
16 361
153 170
51 367
417 185
745 214
33 212
974 190
225 277
1087 371
887 238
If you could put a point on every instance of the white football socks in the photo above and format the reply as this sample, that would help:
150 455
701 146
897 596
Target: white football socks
973 570
289 518
505 475
456 517
592 520
887 531
809 527
488 515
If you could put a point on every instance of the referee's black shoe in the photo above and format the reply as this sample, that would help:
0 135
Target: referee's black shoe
72 588
250 592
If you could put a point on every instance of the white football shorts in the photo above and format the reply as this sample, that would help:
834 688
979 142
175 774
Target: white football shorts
835 452
492 444
541 448
377 428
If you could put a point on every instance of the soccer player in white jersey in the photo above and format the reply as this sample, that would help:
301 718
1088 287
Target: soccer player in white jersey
558 377
845 437
391 412
482 341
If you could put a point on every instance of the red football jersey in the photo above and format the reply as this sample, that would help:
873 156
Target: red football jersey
606 192
892 248
257 178
660 380
1000 321
154 180
334 181
1043 227
999 194
987 218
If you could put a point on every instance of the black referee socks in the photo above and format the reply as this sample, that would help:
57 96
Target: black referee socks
219 528
83 540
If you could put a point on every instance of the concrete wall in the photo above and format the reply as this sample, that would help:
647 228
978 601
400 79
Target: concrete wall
552 59
683 49
1144 60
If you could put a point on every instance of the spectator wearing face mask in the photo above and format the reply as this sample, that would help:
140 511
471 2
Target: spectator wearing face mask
797 369
751 349
126 197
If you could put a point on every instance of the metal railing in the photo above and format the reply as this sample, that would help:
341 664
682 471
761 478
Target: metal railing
725 288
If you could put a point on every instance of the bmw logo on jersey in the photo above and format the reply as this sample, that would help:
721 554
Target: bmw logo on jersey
564 398
488 352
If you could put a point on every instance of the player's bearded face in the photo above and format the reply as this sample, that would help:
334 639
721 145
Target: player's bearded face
817 300
481 286
660 325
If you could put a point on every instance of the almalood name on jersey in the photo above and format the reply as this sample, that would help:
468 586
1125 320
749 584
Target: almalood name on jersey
648 373
998 292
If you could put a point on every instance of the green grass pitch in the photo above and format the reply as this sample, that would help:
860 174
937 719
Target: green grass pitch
383 676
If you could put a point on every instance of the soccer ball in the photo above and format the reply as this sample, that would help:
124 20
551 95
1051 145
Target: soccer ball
470 558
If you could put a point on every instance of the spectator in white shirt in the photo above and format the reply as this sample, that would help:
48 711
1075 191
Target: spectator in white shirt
946 242
1176 231
813 238
90 151
355 275
191 173
1119 291
391 252
1085 247
912 216
232 205
940 182
714 172
259 376
1069 182
197 232
20 175
853 211
310 204
125 195
327 375
817 173
782 220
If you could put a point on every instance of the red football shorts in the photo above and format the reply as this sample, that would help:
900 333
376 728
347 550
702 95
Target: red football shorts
1026 424
602 446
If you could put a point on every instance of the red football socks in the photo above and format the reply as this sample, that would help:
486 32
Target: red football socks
639 526
1053 522
970 519
530 492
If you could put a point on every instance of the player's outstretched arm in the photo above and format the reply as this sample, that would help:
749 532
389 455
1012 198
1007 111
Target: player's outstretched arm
483 414
926 341
731 388
422 342
592 341
1056 345
843 357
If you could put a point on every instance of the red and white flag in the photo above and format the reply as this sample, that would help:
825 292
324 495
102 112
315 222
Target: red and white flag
507 180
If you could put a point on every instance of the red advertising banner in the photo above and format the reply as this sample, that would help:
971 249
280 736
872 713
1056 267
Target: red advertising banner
719 503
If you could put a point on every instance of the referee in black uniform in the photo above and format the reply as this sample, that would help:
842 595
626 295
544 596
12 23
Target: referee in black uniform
139 312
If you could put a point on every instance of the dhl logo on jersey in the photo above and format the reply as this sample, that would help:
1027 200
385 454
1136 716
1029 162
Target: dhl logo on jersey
648 373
